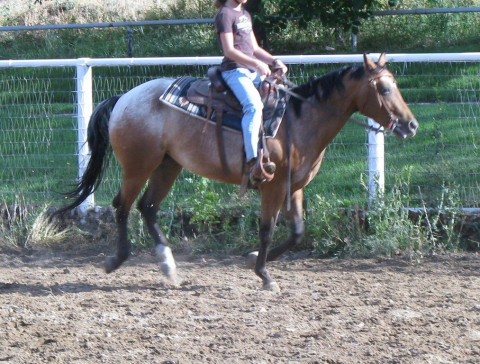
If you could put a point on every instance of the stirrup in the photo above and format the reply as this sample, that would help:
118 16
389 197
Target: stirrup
269 167
262 172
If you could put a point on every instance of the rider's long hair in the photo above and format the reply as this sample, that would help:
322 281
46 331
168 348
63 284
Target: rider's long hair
220 3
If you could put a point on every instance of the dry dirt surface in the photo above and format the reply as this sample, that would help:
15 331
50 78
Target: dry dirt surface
57 308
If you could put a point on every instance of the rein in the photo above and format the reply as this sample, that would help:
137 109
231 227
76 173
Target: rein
378 129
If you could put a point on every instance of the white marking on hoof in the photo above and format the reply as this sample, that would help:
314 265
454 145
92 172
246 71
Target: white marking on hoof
171 278
168 266
272 287
252 260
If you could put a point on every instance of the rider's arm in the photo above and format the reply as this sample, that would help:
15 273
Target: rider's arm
234 54
266 57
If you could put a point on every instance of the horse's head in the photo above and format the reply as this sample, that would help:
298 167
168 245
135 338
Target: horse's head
383 101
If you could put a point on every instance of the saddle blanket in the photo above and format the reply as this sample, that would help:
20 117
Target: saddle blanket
176 94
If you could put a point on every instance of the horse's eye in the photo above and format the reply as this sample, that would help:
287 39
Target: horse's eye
385 91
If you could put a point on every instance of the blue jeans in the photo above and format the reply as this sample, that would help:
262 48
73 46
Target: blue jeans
243 84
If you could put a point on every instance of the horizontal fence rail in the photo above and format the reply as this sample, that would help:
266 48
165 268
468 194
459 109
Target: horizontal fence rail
45 106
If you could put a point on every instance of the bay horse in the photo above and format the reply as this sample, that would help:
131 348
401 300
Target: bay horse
154 141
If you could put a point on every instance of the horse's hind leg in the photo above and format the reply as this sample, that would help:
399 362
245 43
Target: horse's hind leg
160 182
131 187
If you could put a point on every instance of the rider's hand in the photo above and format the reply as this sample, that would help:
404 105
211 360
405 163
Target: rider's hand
263 69
278 64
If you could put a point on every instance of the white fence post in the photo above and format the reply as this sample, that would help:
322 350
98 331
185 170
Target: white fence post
84 111
376 162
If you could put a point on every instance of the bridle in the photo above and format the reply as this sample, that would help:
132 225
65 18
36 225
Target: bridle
377 74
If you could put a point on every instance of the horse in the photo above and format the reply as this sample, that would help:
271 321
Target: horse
153 142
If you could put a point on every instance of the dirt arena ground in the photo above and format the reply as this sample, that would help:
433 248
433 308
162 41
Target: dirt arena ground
61 309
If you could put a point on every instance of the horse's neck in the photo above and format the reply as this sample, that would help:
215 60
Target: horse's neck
314 130
320 123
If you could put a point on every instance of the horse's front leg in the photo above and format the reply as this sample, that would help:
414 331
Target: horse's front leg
267 227
272 200
295 217
258 259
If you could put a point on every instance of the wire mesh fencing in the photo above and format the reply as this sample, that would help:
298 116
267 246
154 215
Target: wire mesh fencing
38 136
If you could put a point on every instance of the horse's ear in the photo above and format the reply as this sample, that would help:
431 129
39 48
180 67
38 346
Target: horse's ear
369 63
382 59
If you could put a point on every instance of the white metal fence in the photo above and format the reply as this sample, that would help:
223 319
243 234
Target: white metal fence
440 163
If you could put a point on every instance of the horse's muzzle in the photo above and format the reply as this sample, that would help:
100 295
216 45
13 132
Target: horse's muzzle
406 129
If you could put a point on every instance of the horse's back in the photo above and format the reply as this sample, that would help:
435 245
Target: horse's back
144 94
135 122
139 103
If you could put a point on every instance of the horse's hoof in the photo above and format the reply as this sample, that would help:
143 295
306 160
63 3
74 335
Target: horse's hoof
167 265
271 286
168 270
170 274
111 263
252 260
173 280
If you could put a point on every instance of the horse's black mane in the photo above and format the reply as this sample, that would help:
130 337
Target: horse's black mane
322 87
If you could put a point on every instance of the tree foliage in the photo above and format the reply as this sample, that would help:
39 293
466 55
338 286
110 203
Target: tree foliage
344 14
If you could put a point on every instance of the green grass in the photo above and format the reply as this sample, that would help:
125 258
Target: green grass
443 154
407 33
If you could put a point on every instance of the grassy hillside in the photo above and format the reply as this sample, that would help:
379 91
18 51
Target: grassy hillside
408 33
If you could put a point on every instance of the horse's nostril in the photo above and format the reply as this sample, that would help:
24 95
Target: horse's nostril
413 125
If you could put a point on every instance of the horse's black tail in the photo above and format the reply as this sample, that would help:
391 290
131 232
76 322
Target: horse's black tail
99 143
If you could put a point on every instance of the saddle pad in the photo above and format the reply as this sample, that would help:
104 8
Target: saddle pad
272 124
176 94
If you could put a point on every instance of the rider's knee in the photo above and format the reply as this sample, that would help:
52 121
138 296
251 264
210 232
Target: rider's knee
253 108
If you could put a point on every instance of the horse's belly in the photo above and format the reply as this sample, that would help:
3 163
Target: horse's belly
207 164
